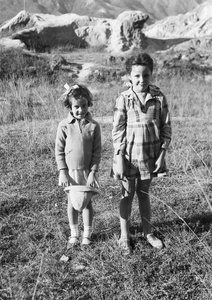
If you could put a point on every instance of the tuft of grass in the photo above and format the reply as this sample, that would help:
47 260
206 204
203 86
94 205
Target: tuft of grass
17 64
187 97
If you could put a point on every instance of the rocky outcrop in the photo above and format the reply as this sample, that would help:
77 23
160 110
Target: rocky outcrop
48 31
197 44
46 34
21 19
197 23
8 43
127 31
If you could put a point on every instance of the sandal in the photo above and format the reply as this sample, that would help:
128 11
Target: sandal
73 241
86 241
154 241
124 245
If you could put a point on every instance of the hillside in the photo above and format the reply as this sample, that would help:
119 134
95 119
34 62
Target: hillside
156 9
194 24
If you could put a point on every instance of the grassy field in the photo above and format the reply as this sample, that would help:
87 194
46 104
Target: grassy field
34 225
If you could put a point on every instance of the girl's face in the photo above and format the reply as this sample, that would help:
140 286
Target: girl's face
79 108
140 77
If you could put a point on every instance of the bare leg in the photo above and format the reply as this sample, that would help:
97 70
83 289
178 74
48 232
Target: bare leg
142 191
87 215
72 214
125 209
73 223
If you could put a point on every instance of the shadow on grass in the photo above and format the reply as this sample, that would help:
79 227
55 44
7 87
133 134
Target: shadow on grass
198 223
106 234
13 205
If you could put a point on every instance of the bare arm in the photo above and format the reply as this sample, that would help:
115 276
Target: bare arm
119 136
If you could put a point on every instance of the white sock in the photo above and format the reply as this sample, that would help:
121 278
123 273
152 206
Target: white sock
87 232
124 237
74 230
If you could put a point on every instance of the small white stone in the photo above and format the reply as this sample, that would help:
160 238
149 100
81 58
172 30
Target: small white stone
64 258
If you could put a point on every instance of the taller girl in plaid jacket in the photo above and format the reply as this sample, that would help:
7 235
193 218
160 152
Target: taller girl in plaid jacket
141 135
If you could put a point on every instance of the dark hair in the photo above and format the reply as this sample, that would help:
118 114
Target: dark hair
78 91
141 59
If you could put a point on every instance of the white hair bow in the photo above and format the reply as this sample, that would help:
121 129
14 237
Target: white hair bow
68 90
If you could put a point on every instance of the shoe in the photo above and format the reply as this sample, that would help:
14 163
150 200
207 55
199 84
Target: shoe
124 245
72 242
86 241
154 241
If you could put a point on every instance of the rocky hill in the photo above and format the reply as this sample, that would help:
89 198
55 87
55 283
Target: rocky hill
43 32
184 40
156 9
194 24
127 31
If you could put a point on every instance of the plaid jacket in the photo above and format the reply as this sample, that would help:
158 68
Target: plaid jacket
141 130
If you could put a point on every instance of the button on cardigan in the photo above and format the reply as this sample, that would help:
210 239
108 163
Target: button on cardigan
78 144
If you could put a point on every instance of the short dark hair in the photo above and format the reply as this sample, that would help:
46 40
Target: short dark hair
78 91
141 59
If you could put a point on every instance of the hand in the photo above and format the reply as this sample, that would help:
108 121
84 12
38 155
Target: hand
160 161
119 167
64 178
91 179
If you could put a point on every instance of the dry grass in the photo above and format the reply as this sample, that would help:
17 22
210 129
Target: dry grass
26 95
34 225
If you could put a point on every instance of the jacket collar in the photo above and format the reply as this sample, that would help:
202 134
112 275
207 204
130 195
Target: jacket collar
72 119
153 92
